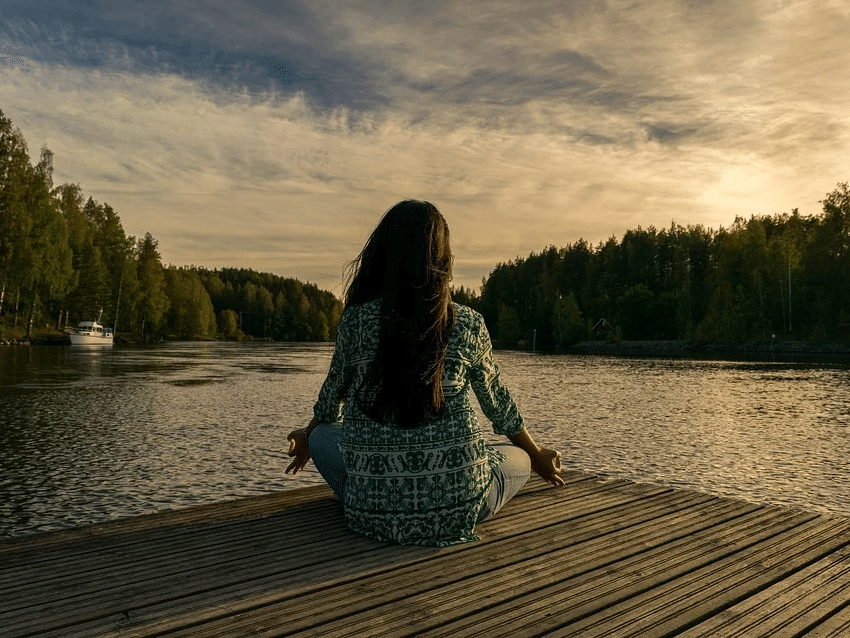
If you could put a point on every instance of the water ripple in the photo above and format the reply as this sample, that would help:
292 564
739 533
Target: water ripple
90 436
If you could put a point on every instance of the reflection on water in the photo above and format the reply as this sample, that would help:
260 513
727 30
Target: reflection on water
766 432
87 435
91 434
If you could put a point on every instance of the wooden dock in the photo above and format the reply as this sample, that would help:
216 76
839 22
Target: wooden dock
594 558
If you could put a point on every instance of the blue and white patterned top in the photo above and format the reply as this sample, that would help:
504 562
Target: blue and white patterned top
424 485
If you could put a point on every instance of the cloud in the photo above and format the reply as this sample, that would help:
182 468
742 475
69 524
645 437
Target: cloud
273 135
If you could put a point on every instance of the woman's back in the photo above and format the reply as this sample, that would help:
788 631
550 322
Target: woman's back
425 484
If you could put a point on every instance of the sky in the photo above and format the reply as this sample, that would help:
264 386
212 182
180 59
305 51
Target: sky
274 134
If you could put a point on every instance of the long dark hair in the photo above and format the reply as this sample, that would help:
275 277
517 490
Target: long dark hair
407 264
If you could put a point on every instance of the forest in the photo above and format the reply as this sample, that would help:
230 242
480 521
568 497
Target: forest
782 276
65 258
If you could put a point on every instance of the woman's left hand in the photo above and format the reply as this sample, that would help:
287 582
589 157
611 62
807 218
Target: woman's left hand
547 464
299 447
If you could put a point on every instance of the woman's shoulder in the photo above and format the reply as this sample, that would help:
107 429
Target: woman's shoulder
361 309
470 331
358 317
467 316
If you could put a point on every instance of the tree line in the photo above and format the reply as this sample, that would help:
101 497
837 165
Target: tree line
66 258
784 276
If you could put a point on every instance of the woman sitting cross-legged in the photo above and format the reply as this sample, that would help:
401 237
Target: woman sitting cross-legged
394 433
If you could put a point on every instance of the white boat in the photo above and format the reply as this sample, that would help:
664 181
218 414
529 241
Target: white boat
91 333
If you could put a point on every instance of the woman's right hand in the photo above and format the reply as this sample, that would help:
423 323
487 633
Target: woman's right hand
299 447
547 464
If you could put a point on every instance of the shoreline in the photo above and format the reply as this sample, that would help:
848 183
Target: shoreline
679 347
649 347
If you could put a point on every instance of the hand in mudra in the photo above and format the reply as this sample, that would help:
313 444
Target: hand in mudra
547 464
299 447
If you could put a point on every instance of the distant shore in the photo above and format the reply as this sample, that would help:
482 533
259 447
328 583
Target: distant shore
683 347
649 347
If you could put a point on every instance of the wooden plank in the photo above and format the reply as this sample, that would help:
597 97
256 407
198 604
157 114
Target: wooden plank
24 547
836 626
129 555
791 607
396 591
423 553
231 598
147 561
677 603
127 595
118 533
483 590
603 557
56 564
572 595
172 579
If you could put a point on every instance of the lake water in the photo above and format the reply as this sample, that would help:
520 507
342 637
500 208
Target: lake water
88 435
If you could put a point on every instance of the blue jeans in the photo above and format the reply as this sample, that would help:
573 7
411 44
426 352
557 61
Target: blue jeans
508 478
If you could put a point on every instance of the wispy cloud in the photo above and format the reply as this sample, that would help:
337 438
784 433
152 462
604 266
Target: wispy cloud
273 135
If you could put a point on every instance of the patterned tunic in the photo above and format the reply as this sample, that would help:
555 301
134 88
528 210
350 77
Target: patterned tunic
424 485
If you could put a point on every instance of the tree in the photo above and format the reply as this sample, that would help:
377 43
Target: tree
833 263
509 328
45 258
190 314
70 200
229 322
15 219
152 300
116 251
571 327
784 258
636 312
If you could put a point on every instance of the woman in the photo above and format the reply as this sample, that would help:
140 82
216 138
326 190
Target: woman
393 432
